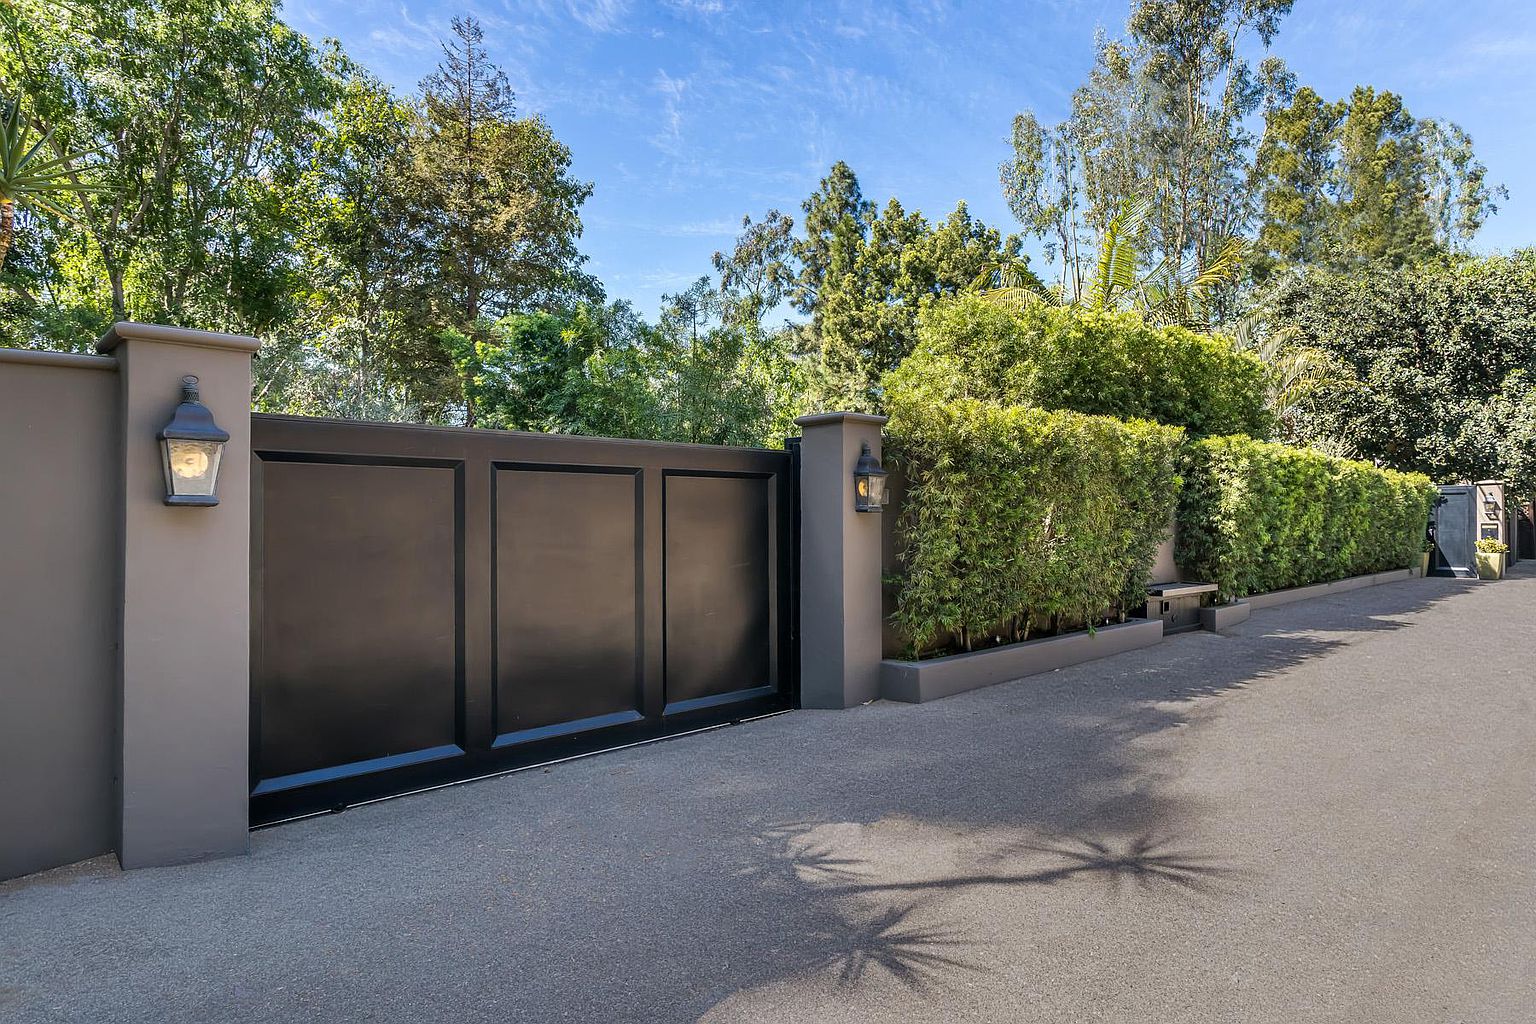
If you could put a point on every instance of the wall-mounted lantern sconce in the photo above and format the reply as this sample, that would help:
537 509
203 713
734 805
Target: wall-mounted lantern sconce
1491 506
190 448
868 482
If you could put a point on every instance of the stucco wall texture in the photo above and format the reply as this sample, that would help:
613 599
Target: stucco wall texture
58 586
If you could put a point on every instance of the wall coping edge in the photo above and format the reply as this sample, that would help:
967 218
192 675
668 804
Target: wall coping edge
42 357
129 331
822 419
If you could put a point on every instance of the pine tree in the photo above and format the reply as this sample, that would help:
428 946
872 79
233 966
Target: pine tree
498 210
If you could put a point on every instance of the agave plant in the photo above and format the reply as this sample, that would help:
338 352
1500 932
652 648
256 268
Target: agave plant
32 174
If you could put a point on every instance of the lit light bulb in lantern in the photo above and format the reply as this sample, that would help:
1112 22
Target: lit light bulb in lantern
189 464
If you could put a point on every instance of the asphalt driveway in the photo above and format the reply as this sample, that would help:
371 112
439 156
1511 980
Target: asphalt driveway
1327 815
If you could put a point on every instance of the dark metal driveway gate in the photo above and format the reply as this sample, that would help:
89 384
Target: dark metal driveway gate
1454 526
434 604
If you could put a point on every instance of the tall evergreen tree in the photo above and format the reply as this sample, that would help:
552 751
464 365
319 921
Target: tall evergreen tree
864 275
1362 179
496 205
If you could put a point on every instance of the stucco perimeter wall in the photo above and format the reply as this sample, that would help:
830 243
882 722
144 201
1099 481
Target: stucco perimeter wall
59 458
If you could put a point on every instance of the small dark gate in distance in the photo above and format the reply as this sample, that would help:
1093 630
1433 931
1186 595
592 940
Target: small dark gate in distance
1454 529
435 604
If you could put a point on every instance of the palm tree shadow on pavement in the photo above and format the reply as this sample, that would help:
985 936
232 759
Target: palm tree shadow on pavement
920 957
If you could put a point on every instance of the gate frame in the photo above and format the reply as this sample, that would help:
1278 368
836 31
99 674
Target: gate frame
1438 565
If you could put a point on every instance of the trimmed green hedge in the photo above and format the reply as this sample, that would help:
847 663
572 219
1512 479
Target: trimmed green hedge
1100 363
1255 517
1017 519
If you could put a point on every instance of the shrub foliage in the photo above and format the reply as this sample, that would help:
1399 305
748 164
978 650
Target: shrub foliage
1091 361
1255 517
1018 519
1437 363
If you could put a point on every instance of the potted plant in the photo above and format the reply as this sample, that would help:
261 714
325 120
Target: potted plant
1490 558
1424 553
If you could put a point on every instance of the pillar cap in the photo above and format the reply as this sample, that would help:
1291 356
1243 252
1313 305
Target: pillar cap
128 331
822 419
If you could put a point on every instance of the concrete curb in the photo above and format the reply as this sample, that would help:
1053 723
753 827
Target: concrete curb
1279 597
1214 620
916 682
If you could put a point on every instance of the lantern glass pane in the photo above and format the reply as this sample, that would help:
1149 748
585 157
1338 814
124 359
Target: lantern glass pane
191 467
877 494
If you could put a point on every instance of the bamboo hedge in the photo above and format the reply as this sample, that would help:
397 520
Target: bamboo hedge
1099 362
1255 516
1018 520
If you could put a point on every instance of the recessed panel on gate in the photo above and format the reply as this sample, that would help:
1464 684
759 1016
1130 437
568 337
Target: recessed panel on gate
359 668
719 589
567 600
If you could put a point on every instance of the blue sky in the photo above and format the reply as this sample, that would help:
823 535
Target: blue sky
687 114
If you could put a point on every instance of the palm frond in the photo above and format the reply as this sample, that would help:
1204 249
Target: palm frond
1119 255
1011 282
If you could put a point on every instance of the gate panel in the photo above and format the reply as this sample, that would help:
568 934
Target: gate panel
359 649
1455 542
568 624
719 552
432 604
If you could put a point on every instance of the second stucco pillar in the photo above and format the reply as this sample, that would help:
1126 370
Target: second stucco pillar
839 564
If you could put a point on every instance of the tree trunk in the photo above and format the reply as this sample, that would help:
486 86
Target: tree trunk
7 228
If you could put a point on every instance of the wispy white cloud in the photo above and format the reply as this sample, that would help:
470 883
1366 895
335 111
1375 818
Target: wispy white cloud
392 40
672 90
723 227
703 7
1516 47
654 279
599 15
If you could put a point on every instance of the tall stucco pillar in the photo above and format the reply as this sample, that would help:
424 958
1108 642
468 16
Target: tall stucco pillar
184 611
1493 524
839 564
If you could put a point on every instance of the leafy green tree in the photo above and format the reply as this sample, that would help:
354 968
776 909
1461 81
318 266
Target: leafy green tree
601 371
1172 292
716 379
203 115
1042 183
527 371
349 347
1436 361
1201 91
1162 119
756 275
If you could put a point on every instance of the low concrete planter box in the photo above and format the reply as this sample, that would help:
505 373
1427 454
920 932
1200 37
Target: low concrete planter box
918 681
1220 617
1278 597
